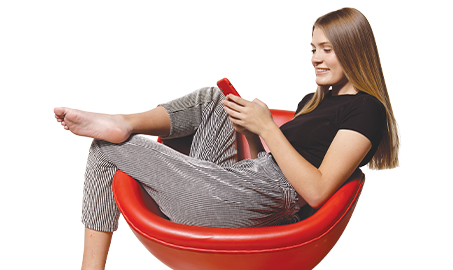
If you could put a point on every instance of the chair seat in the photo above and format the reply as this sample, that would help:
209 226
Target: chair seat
301 245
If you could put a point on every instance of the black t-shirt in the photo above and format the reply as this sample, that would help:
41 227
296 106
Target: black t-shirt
311 134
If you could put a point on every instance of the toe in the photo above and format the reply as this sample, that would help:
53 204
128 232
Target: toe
59 112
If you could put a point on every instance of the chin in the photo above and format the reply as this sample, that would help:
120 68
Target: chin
323 83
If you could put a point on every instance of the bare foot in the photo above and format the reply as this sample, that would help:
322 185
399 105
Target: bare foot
111 128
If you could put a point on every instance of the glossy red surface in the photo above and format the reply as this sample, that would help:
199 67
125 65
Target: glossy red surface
296 246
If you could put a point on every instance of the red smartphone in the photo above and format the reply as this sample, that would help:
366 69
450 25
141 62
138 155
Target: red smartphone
226 87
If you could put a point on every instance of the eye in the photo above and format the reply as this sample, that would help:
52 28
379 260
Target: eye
327 50
313 51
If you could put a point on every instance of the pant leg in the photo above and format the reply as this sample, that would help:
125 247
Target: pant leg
198 190
202 113
99 209
199 112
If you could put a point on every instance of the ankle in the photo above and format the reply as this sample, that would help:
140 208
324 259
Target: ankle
155 122
126 122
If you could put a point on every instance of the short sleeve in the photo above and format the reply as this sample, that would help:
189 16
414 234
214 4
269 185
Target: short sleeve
367 116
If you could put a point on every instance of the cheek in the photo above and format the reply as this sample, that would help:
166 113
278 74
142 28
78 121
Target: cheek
336 67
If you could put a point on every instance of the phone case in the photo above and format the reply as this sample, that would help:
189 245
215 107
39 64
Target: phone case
226 87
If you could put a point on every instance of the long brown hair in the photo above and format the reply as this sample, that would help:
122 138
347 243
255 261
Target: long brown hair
353 41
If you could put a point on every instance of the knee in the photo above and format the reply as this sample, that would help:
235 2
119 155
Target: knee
96 156
208 94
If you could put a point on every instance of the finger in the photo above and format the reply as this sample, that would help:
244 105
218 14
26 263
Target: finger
235 121
232 113
233 105
237 99
237 127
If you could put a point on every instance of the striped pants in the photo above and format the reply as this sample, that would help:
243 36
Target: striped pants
206 188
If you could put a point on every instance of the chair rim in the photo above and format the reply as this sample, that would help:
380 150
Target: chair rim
241 240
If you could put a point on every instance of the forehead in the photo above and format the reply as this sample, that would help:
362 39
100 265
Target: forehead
319 38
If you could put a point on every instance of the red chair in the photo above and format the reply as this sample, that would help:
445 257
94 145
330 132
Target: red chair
296 246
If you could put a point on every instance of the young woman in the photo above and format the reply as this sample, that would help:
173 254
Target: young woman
347 123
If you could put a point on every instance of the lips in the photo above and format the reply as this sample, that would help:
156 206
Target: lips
321 71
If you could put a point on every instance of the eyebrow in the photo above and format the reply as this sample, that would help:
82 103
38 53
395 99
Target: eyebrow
322 44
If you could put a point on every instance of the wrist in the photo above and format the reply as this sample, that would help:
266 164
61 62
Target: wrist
268 131
250 135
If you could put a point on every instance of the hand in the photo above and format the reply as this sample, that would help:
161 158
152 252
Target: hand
246 116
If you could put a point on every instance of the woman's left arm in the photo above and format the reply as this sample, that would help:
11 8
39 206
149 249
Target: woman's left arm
315 185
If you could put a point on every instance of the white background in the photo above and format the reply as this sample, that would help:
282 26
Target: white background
128 56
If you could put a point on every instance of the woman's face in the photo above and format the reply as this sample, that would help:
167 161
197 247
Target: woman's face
327 67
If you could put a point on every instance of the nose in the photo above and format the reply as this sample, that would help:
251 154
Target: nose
316 58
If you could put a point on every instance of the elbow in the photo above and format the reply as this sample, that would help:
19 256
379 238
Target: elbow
316 200
315 204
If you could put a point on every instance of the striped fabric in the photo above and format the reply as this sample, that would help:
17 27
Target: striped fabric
207 188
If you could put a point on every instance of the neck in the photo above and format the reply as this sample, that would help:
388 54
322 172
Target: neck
344 89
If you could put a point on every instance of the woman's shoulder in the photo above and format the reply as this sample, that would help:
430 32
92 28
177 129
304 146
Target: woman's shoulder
368 102
363 109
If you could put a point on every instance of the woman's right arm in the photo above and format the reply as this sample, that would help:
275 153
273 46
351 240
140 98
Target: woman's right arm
255 144
254 141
